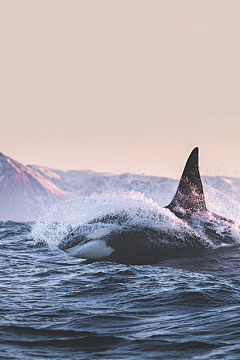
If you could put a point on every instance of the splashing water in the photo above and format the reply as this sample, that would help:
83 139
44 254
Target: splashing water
133 206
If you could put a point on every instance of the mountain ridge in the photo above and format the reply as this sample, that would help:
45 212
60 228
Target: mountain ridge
26 190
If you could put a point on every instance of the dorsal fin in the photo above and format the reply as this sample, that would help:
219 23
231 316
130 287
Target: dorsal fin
189 197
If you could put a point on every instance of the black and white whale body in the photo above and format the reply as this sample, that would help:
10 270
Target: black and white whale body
184 227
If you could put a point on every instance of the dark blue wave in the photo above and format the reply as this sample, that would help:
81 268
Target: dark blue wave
56 307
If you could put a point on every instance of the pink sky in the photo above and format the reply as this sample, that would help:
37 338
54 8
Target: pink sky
121 85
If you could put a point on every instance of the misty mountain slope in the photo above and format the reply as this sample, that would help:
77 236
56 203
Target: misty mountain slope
54 177
24 192
86 182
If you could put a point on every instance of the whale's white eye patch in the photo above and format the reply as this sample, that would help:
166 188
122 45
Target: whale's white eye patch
95 249
99 233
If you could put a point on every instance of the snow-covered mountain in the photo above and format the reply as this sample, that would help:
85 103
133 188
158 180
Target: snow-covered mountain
26 190
86 182
23 191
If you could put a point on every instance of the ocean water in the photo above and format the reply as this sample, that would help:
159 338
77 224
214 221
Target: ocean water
54 306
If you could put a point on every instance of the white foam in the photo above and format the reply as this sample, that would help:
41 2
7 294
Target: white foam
95 249
134 210
62 217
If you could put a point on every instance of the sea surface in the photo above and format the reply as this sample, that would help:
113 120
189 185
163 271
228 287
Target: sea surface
54 306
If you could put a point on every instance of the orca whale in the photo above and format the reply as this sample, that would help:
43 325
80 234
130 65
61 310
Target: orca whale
193 228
